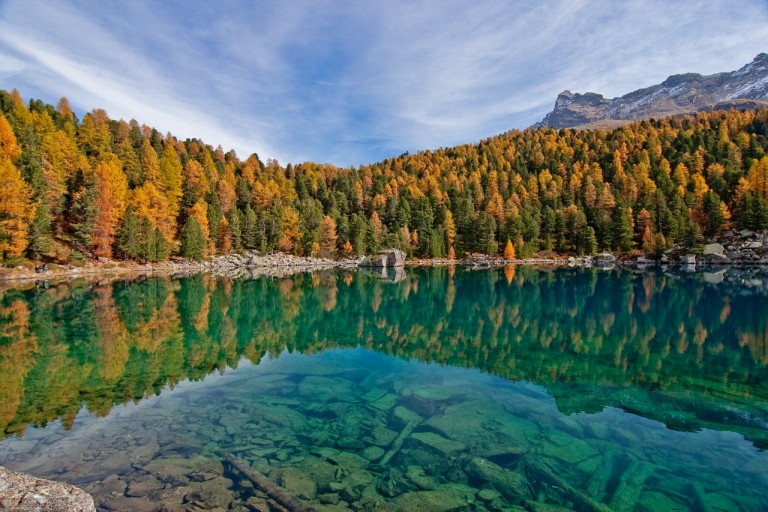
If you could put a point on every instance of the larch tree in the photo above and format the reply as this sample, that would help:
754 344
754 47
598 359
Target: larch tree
171 177
16 210
111 200
509 251
328 237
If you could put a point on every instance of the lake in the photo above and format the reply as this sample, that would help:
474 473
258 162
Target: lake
438 389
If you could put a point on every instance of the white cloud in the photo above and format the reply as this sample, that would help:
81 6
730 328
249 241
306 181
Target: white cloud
352 82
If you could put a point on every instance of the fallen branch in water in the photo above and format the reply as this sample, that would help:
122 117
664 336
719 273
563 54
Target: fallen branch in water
274 491
541 472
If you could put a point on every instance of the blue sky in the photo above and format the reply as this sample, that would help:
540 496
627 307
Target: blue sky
351 82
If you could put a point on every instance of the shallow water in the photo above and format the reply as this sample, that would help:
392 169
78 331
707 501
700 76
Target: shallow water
512 389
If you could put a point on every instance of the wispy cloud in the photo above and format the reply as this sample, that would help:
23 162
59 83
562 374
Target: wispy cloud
354 82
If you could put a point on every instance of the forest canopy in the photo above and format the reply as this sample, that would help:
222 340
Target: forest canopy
74 189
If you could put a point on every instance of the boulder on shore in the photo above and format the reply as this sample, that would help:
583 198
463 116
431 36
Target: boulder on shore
605 259
19 491
391 258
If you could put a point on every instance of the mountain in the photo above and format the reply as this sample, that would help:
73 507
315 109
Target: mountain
745 88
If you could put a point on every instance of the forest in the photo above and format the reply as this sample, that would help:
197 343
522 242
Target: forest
73 190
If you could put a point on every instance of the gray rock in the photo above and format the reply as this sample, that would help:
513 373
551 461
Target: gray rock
19 491
746 232
391 258
688 259
752 245
605 258
713 249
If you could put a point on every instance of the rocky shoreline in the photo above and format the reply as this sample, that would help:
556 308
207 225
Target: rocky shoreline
743 248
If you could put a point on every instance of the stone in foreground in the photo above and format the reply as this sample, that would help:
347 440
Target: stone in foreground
19 491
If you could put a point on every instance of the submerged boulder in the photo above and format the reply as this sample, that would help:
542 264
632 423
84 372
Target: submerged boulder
19 491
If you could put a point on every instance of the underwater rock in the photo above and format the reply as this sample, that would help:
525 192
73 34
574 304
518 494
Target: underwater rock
280 415
489 431
325 389
437 443
121 503
345 460
19 491
322 473
537 506
511 484
570 450
651 501
424 482
353 484
295 482
373 453
382 436
212 494
144 485
447 498
144 452
176 470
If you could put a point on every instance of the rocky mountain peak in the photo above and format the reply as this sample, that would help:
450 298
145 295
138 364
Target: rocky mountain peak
746 87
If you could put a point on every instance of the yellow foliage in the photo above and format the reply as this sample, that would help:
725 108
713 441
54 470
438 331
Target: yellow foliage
147 201
509 251
16 211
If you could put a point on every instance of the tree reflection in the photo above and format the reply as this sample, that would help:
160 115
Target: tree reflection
77 345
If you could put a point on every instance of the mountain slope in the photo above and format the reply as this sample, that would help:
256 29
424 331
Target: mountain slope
678 94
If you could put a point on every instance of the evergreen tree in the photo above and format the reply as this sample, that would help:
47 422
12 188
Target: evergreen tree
162 247
40 239
236 228
128 242
148 245
486 234
437 243
589 241
193 241
250 227
621 229
83 212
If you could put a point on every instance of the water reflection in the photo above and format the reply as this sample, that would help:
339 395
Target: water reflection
677 350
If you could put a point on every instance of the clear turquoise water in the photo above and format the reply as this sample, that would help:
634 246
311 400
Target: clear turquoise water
448 390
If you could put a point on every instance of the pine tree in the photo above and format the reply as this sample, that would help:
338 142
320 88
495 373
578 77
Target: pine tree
128 242
148 242
193 241
236 228
162 247
40 239
250 227
589 241
83 212
621 229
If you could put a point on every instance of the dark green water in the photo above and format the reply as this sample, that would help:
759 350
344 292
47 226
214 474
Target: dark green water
449 390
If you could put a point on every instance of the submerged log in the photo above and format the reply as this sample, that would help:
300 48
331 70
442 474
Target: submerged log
274 491
411 420
598 482
630 486
580 499
700 498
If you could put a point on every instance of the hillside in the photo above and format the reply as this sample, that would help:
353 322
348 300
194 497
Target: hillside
678 94
100 188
